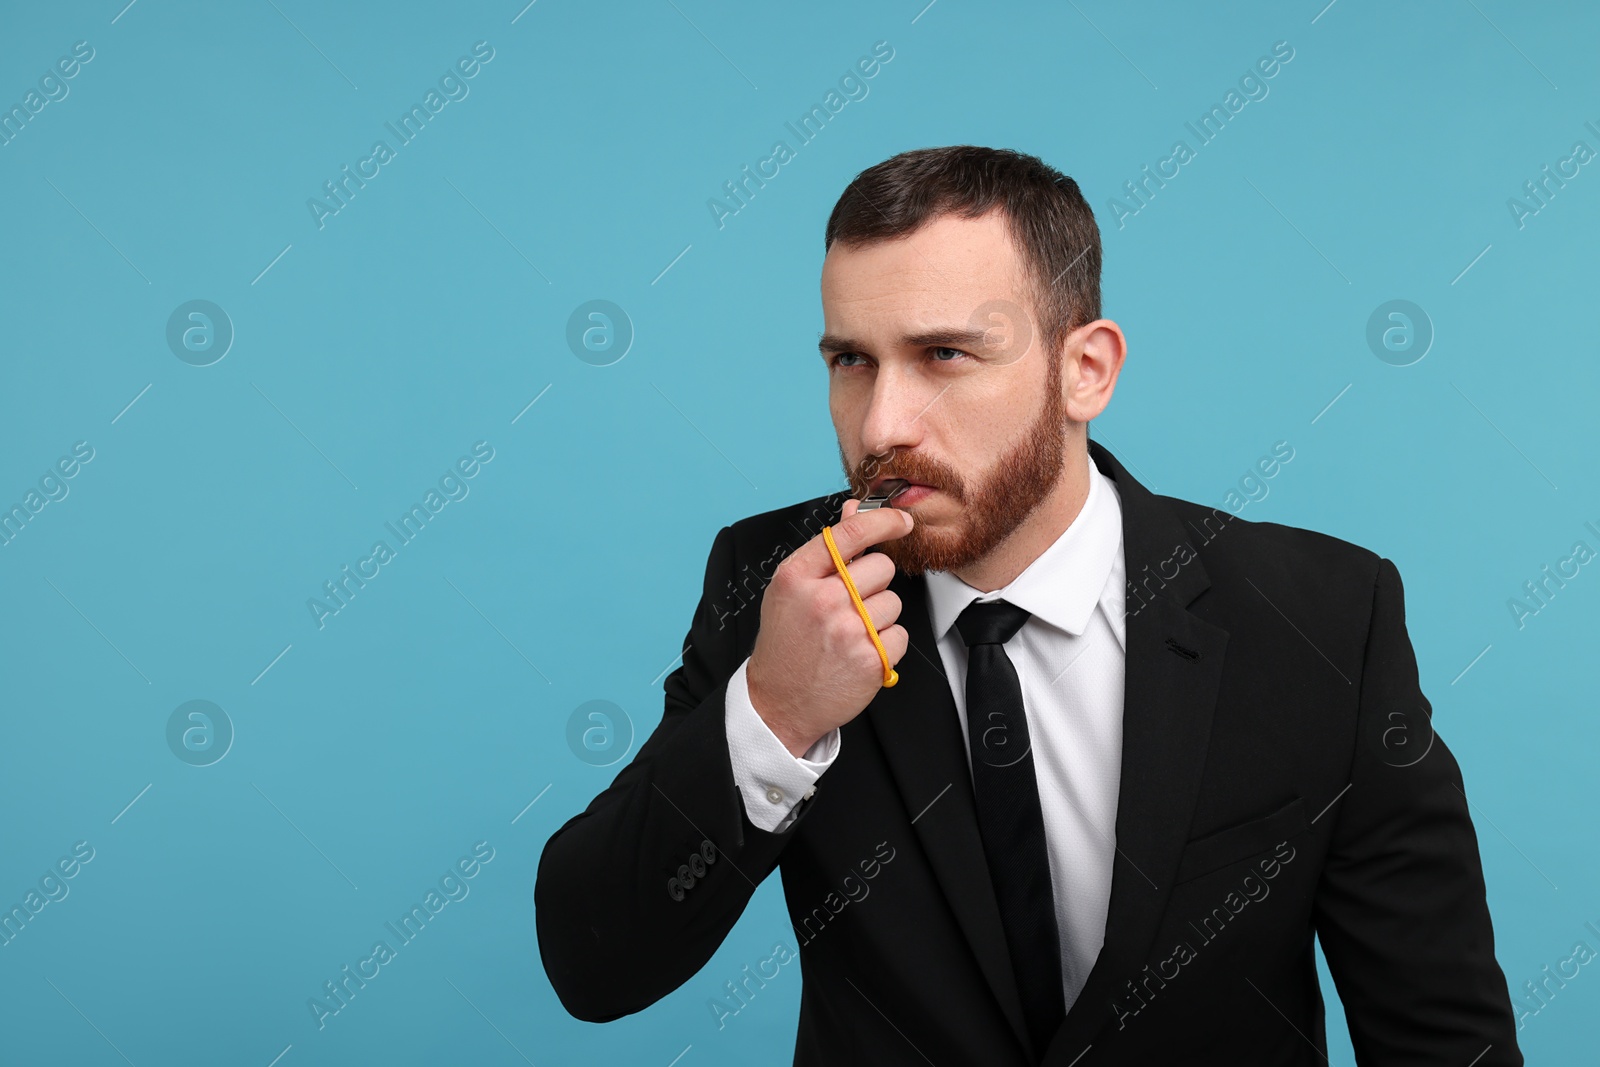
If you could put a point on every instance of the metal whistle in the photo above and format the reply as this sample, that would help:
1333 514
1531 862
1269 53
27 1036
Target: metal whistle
886 492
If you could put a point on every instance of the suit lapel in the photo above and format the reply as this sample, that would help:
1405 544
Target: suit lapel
1172 670
1172 673
916 725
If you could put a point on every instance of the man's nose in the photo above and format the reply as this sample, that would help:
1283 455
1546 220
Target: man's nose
894 420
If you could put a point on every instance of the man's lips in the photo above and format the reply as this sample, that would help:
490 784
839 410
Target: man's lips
877 483
914 493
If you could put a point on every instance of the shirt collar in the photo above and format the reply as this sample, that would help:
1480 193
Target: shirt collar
1064 584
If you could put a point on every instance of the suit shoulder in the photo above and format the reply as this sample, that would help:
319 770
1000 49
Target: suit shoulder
1316 564
1294 543
788 527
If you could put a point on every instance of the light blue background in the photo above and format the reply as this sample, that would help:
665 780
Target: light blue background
428 313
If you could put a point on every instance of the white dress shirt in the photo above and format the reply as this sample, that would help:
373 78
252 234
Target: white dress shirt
1069 657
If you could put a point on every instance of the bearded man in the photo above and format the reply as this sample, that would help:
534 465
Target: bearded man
1139 756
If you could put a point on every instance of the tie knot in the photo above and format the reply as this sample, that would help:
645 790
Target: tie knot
991 622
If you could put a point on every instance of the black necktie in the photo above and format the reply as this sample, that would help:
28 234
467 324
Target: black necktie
1009 815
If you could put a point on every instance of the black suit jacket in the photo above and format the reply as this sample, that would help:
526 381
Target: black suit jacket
1280 779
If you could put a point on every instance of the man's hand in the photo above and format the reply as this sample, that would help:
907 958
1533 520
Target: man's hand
813 667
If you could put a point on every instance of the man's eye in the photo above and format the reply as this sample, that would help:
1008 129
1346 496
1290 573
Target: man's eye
838 360
952 351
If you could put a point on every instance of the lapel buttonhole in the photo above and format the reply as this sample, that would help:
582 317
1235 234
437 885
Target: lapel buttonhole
1186 653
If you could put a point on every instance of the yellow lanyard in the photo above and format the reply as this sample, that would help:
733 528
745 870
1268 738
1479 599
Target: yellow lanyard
890 675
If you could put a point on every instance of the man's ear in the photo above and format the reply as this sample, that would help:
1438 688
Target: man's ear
1092 357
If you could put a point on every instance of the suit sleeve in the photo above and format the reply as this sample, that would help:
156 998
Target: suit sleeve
634 894
1401 907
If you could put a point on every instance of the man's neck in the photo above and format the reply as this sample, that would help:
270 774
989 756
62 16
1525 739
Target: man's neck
1042 528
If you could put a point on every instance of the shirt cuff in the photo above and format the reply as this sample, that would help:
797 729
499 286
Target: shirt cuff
772 780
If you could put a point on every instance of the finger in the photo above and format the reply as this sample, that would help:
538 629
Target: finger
871 573
895 641
884 608
855 534
850 507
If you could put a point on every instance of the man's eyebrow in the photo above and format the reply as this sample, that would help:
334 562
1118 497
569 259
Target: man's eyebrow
940 337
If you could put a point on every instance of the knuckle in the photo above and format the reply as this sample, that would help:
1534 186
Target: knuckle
865 660
853 528
841 627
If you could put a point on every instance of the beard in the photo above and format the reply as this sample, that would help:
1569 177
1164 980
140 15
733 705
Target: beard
992 504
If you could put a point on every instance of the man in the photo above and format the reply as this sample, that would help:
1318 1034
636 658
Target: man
1139 751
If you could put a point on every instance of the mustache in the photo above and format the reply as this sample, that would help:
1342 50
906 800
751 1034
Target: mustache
911 467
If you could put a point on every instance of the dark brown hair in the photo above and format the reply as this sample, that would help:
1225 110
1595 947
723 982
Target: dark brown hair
1048 217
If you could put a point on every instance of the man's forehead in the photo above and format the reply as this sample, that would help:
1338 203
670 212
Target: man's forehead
939 274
